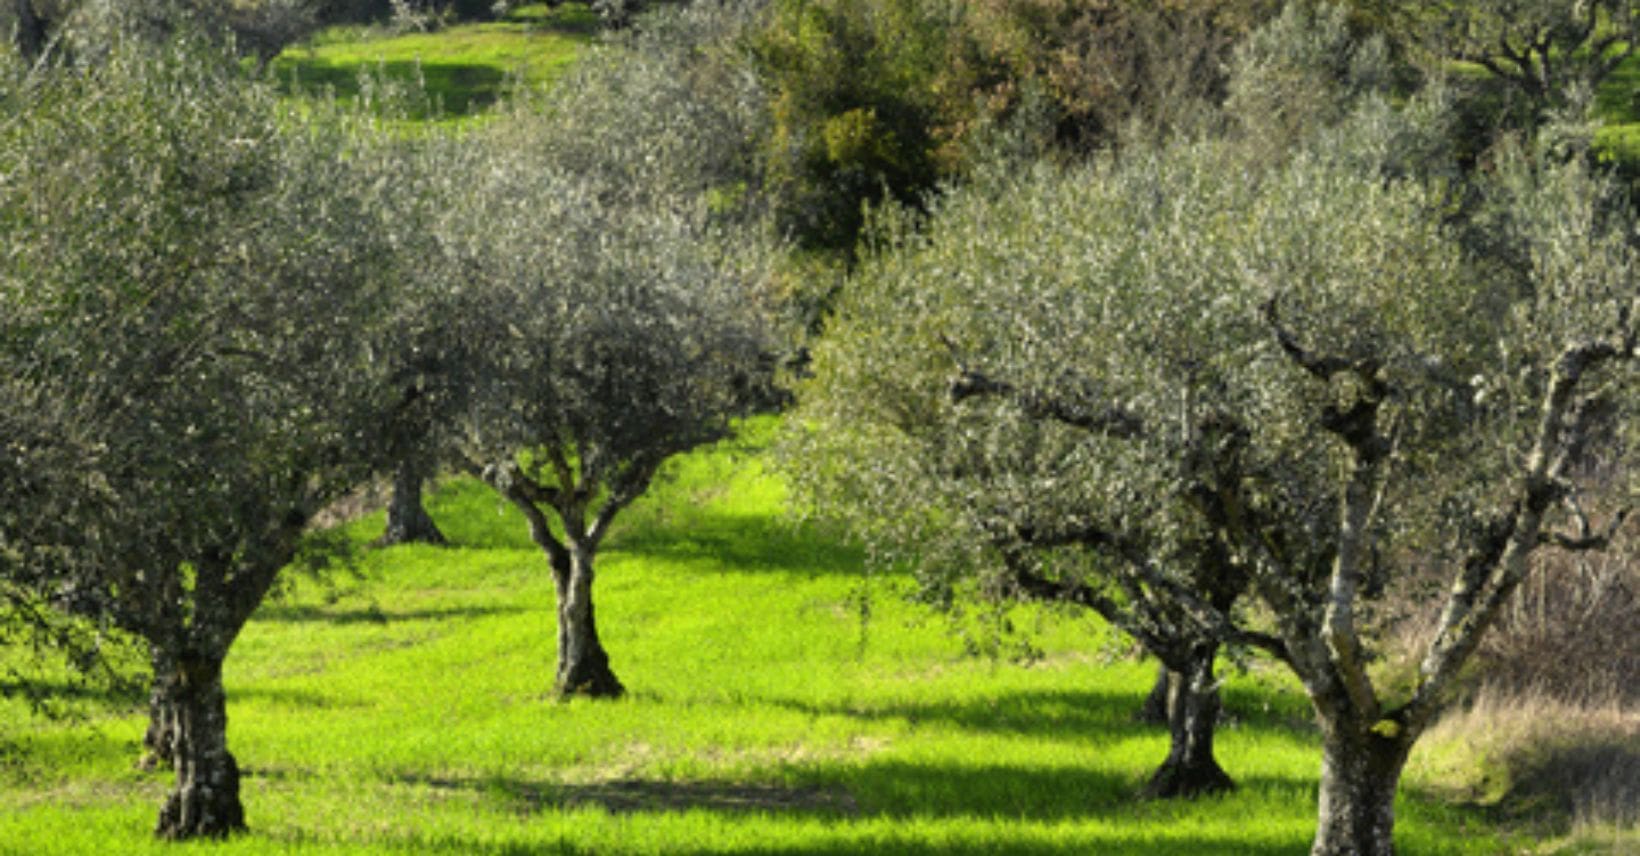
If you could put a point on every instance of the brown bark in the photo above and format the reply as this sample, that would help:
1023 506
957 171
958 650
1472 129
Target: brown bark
407 519
1359 774
583 665
1193 712
205 803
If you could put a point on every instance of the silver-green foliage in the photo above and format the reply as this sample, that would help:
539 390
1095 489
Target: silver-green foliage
190 289
666 108
1133 284
582 229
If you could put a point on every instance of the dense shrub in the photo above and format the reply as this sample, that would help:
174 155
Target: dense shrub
887 99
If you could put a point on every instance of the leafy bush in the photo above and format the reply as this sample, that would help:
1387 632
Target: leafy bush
875 100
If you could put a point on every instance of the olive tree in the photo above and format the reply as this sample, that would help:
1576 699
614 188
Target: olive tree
1295 362
997 455
612 323
660 110
613 337
191 292
259 29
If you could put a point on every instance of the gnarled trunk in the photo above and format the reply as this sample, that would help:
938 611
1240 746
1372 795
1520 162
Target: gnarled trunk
1359 773
583 665
160 740
1193 714
407 519
206 802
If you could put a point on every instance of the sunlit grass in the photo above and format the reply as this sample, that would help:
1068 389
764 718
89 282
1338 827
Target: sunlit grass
403 709
463 69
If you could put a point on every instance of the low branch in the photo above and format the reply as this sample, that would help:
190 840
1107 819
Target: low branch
1111 420
1319 367
528 497
1212 620
1586 541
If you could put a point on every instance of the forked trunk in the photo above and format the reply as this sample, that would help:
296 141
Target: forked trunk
1193 713
1359 774
407 519
159 742
583 665
206 802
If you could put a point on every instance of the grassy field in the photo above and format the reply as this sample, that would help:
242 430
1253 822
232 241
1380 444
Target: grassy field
464 68
402 710
1619 107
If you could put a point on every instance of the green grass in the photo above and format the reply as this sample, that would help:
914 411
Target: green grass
403 710
1618 104
464 68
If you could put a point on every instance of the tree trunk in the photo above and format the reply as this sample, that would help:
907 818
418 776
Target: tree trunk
407 519
206 802
1193 713
159 741
583 665
1359 773
1154 710
32 30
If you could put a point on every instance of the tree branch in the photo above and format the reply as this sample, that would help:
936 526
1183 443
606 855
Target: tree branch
1481 590
1113 420
528 497
1586 541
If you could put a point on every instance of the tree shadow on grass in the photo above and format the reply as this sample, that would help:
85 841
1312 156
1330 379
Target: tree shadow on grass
46 690
1092 715
570 19
452 89
293 698
917 794
739 543
376 615
889 788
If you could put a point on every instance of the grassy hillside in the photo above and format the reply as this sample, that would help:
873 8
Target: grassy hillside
402 710
465 68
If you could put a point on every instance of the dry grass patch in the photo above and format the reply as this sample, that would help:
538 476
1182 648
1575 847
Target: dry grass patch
1575 768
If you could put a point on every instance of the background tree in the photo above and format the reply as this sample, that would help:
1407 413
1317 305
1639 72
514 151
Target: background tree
611 326
190 296
1545 49
874 101
259 29
615 340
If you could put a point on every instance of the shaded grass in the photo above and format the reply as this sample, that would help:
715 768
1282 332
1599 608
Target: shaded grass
405 710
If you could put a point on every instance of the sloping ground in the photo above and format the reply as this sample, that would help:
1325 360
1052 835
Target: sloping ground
401 709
